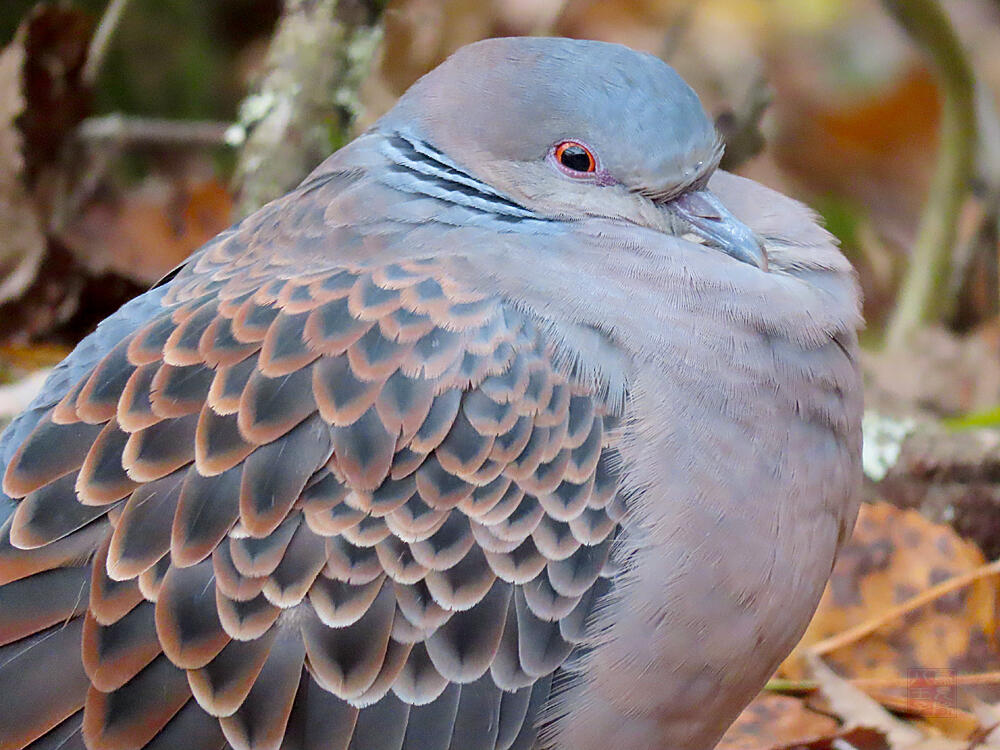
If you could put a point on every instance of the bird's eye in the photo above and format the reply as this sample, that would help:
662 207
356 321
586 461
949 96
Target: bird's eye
575 157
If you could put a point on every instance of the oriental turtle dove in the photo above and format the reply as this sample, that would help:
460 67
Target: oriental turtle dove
517 424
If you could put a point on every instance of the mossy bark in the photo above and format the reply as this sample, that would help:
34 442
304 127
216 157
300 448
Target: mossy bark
307 99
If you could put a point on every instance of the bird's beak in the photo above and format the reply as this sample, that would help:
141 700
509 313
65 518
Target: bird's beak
702 214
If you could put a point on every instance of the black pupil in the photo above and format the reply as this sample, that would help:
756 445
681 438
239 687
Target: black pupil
575 158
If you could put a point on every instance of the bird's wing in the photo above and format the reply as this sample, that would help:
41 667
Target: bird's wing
309 504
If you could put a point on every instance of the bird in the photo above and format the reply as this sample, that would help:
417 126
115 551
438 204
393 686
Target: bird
517 424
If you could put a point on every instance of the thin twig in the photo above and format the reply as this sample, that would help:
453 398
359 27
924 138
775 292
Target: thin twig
124 131
922 299
101 40
780 685
948 680
923 598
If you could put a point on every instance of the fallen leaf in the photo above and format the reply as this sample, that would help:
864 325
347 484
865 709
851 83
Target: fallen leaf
149 230
772 720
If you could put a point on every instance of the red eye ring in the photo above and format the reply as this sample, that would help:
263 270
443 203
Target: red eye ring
573 156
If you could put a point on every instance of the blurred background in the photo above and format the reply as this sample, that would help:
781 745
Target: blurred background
132 131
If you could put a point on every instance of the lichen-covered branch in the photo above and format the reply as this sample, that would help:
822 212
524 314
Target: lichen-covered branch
307 98
922 298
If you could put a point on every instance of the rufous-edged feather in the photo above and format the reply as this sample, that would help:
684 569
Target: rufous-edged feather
50 513
110 600
464 584
221 686
229 383
34 603
132 715
270 407
151 579
395 657
446 546
160 449
414 520
419 682
114 654
31 706
230 580
519 565
135 406
275 474
16 563
97 401
178 391
374 357
247 619
259 556
259 723
207 508
191 728
545 602
438 421
396 558
146 346
187 622
364 450
339 604
347 660
284 349
575 574
102 478
181 347
462 648
218 444
301 563
48 453
331 328
142 535
219 348
342 397
367 533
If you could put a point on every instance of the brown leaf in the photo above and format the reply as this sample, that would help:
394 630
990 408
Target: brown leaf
772 720
143 234
892 556
858 709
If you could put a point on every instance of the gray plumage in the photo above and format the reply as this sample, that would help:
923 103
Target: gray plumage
461 444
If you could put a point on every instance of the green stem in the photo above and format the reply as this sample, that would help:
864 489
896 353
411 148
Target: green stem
921 298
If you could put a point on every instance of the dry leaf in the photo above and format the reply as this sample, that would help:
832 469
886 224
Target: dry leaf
893 555
856 708
143 234
772 720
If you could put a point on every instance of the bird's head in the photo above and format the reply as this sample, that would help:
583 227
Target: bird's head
573 129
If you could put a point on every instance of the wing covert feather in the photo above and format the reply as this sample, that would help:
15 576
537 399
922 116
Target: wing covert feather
312 499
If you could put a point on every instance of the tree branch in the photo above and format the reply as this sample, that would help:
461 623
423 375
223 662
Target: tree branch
308 98
922 298
99 43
